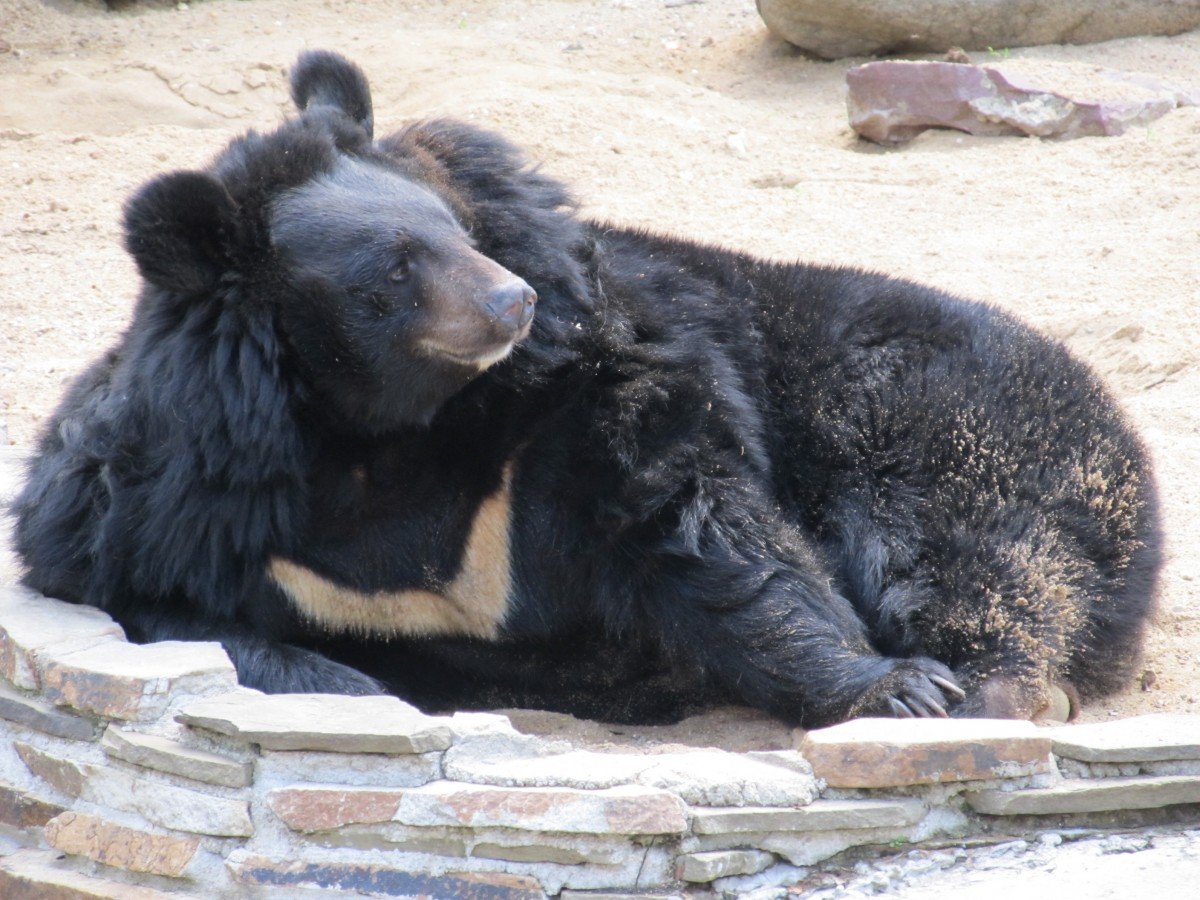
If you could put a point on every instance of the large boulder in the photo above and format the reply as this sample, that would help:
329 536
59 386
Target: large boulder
837 28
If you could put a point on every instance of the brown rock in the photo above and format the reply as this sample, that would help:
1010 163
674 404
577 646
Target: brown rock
250 868
21 810
134 681
323 809
31 623
35 875
61 774
82 834
32 713
894 100
620 810
893 752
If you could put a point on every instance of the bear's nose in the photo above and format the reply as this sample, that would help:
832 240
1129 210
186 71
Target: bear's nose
512 303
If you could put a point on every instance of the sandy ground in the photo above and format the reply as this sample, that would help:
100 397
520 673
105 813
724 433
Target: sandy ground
681 116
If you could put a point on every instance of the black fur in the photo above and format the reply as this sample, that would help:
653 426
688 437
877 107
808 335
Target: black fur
819 491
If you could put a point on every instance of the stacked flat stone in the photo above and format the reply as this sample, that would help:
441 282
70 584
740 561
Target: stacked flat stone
133 771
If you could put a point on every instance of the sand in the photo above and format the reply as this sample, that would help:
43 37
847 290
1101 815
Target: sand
682 117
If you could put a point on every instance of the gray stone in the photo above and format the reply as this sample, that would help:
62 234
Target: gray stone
32 713
375 838
785 759
137 682
163 755
762 884
1152 738
705 777
822 815
486 762
716 778
21 810
477 724
168 805
836 28
349 769
537 852
374 879
505 844
808 848
340 724
714 864
1089 795
895 100
31 623
36 875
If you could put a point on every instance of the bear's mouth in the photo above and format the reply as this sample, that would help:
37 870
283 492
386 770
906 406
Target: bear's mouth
478 360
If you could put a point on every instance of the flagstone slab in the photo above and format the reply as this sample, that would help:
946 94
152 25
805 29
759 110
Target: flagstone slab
35 875
713 864
821 815
31 624
1151 738
28 710
376 724
1087 795
700 777
21 810
164 755
82 834
375 878
167 805
865 753
137 682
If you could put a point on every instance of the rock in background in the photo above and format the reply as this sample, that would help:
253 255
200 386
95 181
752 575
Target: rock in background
835 28
893 101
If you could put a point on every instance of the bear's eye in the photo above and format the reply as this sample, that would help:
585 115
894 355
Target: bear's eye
400 270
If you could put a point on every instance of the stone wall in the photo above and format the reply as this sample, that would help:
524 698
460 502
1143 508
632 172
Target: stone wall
132 771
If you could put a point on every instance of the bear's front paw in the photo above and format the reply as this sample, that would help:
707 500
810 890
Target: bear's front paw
917 687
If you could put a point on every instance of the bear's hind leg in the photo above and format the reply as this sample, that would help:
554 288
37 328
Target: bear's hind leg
1005 609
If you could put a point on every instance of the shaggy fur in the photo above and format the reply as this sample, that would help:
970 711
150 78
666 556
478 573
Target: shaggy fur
332 440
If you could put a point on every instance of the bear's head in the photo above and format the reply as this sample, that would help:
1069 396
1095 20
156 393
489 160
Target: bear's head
353 254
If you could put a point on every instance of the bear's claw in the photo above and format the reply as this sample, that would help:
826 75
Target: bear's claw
949 687
914 688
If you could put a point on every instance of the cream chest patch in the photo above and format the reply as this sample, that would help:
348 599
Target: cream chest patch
473 604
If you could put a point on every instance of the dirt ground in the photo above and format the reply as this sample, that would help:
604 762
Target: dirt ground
681 116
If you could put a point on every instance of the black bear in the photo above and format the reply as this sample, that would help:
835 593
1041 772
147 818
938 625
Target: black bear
390 417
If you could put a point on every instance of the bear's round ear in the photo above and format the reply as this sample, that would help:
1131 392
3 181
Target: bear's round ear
176 228
321 78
